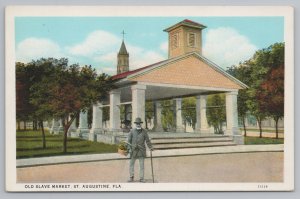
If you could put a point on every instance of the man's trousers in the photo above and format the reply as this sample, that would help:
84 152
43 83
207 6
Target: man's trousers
131 167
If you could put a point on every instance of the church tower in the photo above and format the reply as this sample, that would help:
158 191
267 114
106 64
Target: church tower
123 59
185 37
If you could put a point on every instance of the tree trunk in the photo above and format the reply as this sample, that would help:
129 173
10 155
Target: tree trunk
43 134
65 139
276 126
260 129
66 128
34 125
19 128
25 125
245 131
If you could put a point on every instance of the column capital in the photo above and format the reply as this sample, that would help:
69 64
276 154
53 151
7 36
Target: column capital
201 96
232 93
138 86
177 99
115 91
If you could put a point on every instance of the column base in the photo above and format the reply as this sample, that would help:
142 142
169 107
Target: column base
115 130
58 130
91 137
158 129
81 132
238 139
179 130
70 131
203 131
53 129
96 130
74 134
108 139
232 131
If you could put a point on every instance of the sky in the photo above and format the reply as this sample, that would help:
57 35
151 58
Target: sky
96 40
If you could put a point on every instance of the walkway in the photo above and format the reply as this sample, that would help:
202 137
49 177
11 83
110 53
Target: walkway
159 153
232 167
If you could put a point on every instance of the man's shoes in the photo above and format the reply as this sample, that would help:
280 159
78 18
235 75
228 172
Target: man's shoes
142 180
130 179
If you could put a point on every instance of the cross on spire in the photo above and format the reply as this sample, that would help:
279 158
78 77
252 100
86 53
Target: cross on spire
123 33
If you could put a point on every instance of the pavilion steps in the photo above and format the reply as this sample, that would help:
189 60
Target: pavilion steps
164 143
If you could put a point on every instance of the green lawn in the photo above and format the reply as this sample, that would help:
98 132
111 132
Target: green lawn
264 130
257 140
29 144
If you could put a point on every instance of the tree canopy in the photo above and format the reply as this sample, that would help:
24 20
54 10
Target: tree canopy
61 91
264 74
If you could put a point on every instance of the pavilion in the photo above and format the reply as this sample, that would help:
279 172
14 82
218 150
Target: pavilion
185 73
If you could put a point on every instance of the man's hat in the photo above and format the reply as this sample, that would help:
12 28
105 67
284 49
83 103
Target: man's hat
138 120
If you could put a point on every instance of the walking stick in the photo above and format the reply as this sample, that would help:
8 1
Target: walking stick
152 165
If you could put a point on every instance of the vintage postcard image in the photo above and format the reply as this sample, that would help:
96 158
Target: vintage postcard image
133 98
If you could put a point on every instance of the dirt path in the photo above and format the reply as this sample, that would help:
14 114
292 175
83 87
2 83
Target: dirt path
237 167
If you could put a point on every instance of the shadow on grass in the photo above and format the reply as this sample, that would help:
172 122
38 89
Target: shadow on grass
39 140
58 153
33 149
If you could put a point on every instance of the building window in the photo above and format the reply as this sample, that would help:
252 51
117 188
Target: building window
174 40
191 39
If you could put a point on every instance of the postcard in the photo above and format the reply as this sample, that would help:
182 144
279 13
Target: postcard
149 98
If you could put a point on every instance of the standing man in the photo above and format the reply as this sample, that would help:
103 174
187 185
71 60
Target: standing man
137 139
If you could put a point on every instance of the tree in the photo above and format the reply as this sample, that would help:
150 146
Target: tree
23 107
149 109
216 113
69 90
168 117
189 111
271 95
261 65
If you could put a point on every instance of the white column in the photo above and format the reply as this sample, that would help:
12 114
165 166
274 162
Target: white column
232 117
54 126
198 115
72 127
157 117
178 104
201 119
114 110
204 124
138 103
97 118
83 124
61 127
83 129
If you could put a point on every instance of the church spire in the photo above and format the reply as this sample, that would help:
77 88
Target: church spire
123 50
123 58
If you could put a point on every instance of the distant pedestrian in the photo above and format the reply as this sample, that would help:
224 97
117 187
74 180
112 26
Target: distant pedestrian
137 138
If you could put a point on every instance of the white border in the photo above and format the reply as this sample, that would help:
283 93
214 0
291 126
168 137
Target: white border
285 11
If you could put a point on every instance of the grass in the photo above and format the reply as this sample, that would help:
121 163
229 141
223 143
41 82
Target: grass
263 130
29 145
257 140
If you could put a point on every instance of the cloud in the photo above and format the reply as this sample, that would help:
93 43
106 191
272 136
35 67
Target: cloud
140 57
102 47
99 48
95 43
164 47
226 47
35 48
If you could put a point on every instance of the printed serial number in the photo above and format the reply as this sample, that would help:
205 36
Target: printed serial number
262 186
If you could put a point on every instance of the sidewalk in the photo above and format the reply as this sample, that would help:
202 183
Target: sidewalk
30 162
